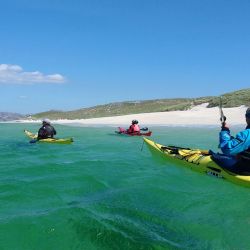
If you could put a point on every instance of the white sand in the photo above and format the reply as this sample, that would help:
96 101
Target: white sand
197 116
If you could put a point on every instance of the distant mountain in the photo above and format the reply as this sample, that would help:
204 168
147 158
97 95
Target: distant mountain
233 99
7 116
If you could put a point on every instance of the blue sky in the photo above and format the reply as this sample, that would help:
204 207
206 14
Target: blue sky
71 54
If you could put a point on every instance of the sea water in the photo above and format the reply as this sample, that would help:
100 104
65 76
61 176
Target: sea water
106 191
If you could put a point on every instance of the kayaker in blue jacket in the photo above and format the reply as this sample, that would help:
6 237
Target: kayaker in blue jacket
47 130
238 147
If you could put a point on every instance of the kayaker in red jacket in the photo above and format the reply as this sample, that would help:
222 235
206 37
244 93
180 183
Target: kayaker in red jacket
134 128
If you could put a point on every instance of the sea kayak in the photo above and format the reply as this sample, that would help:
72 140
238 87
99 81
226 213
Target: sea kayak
48 140
123 131
198 160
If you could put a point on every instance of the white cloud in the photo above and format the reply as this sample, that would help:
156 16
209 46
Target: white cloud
23 97
14 74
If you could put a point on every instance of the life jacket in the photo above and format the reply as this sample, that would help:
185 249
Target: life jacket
46 131
134 128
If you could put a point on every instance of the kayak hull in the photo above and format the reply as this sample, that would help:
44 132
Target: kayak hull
198 160
48 140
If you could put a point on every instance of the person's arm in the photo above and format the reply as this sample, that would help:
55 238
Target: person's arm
40 133
232 146
130 129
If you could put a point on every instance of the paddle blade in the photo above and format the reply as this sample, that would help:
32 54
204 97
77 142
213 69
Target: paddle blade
33 141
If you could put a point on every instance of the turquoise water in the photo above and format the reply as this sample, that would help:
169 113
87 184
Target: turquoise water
103 192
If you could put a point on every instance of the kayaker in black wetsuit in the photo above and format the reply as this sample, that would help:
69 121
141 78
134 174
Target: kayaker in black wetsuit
46 131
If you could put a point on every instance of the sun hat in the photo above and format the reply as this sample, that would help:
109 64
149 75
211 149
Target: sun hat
46 120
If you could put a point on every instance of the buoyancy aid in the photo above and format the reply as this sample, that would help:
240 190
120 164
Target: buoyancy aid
46 131
134 128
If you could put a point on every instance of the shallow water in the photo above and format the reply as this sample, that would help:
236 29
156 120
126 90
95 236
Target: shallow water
103 192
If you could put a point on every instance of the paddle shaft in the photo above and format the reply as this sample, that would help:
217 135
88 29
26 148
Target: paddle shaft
222 117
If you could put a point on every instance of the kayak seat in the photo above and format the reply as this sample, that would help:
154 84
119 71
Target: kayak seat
173 150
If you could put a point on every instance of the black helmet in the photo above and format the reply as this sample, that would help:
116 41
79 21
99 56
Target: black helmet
134 122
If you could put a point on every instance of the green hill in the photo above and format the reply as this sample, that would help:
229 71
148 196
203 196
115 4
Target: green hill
233 99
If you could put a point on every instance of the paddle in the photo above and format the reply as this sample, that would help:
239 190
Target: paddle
32 136
222 117
33 140
144 129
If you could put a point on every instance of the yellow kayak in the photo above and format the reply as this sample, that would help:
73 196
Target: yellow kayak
48 140
198 160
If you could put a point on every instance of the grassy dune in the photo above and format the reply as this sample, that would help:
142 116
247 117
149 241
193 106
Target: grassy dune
233 99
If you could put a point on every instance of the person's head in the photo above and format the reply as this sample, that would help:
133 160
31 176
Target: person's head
46 121
134 122
248 116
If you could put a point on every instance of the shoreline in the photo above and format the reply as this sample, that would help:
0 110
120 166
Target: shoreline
197 116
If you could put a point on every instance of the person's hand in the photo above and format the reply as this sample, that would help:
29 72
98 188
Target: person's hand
223 119
224 126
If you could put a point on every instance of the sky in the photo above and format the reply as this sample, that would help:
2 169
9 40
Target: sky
71 54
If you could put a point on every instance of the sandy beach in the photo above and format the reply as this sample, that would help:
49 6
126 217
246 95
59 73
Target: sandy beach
197 116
